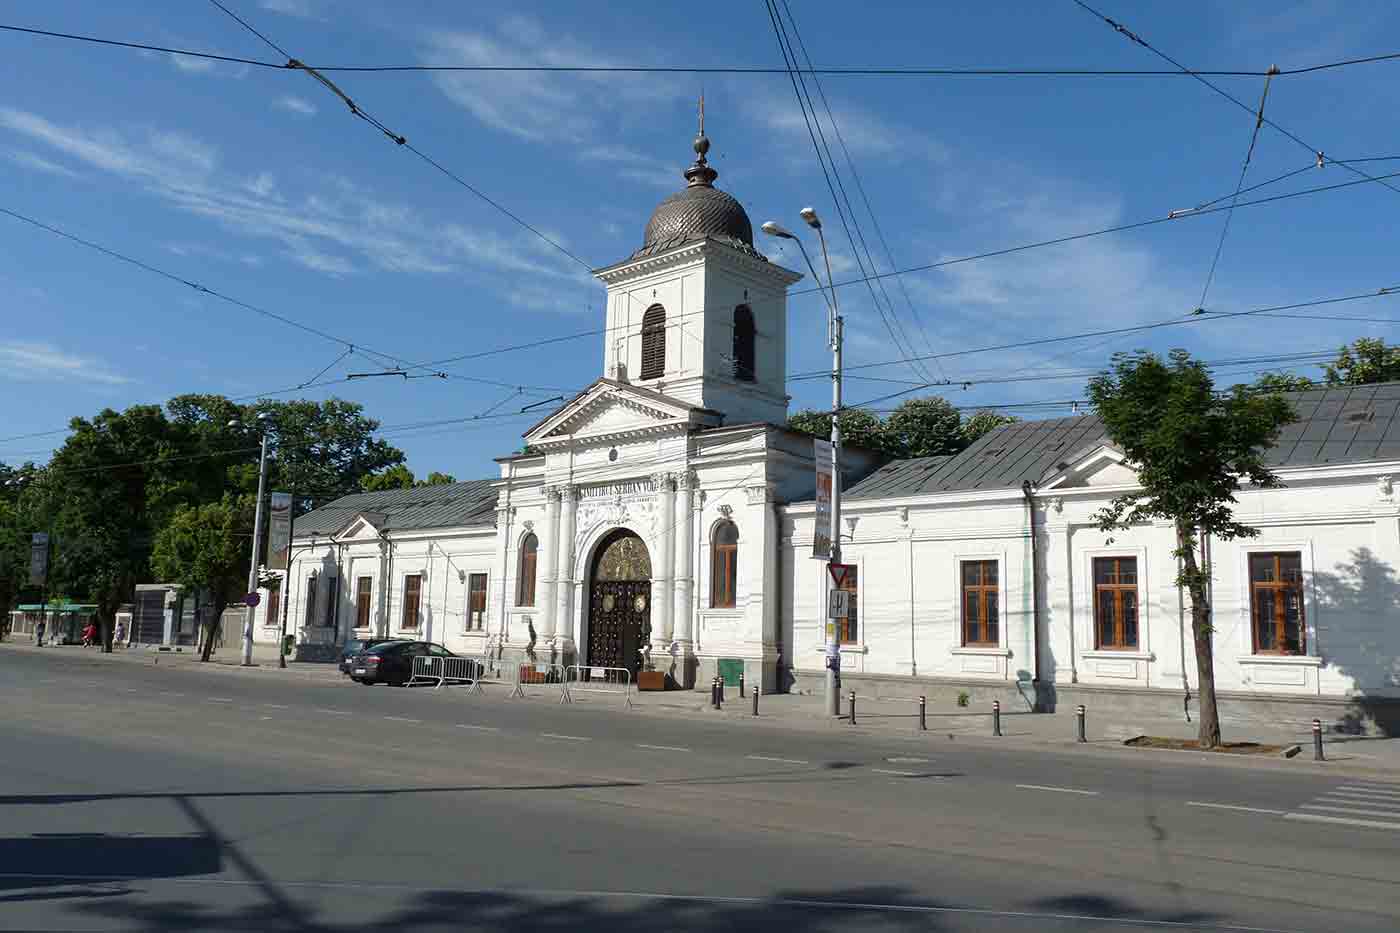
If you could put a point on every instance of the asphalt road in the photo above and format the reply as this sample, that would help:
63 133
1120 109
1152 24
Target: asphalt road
165 798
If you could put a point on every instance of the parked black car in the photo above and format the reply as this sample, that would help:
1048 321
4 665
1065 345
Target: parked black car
357 645
391 662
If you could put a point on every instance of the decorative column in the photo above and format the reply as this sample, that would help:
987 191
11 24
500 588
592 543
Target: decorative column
544 595
563 624
682 612
661 566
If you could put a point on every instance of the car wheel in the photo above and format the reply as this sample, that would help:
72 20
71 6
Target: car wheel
363 681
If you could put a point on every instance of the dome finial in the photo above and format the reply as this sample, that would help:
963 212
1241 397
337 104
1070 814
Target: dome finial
700 172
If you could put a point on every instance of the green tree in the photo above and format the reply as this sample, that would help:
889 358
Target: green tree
860 427
437 479
925 427
1281 382
1366 361
397 476
204 549
324 449
1191 448
983 421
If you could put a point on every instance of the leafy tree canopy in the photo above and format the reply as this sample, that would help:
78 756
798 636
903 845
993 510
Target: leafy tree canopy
1366 361
919 427
205 549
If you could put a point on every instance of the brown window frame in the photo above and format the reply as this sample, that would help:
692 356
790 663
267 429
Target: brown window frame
745 368
332 602
653 343
1116 592
364 601
848 629
476 601
1280 588
989 627
724 568
529 567
417 602
274 606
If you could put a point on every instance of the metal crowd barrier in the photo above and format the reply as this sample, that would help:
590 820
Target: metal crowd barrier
537 673
457 669
582 678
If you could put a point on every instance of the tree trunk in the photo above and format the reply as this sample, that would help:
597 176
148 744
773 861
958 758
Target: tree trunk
211 628
1203 634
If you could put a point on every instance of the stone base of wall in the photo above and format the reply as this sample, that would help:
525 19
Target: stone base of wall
317 654
1359 715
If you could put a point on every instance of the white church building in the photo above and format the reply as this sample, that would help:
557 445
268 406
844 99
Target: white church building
663 519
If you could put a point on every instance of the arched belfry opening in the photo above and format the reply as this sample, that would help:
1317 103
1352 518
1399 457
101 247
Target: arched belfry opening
619 602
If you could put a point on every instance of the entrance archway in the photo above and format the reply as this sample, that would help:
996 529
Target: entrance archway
619 602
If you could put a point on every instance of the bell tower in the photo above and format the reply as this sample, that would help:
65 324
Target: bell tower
697 313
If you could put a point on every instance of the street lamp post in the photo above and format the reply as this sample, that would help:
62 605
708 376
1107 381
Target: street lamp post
249 611
834 333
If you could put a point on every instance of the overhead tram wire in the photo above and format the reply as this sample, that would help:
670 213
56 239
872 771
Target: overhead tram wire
1388 291
1139 40
912 71
804 103
860 187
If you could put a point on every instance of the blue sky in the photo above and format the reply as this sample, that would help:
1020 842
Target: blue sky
258 183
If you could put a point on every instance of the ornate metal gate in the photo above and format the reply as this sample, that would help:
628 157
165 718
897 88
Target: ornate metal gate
619 607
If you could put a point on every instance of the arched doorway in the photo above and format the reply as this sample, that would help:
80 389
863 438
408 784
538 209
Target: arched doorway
619 603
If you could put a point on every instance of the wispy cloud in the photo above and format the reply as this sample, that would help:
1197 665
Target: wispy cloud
24 361
297 105
534 106
305 9
864 132
39 163
340 229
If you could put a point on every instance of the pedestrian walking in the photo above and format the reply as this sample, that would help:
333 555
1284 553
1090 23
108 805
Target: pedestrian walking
39 633
119 636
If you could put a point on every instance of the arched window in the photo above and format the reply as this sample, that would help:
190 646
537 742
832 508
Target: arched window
724 566
525 583
654 343
743 344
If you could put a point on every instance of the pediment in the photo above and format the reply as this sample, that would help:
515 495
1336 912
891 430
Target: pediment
610 409
1103 465
365 526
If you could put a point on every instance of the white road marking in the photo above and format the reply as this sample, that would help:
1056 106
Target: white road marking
1059 790
785 761
1319 818
219 700
1231 806
1347 796
900 773
171 693
663 748
567 738
463 725
1371 785
264 717
399 718
1367 791
908 761
1359 811
274 705
333 712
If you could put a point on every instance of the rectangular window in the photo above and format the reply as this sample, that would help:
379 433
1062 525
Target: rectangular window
274 607
311 601
332 601
1116 603
981 604
850 628
1276 602
364 589
476 602
412 593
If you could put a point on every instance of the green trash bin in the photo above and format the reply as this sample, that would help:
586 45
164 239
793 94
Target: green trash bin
288 643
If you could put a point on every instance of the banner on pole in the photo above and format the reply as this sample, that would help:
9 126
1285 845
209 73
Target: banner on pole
39 558
279 530
821 534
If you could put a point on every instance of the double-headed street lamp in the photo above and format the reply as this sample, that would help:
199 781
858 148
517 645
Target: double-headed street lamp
834 335
257 542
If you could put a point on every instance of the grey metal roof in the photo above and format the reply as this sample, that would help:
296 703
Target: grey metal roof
1350 424
451 505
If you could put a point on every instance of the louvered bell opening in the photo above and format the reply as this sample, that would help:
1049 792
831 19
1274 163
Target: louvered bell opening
743 344
654 343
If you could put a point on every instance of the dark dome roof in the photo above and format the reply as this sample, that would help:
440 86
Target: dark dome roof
699 211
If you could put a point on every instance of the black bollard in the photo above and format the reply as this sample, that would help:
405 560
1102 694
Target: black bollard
719 693
852 698
996 718
1317 740
1079 718
923 713
756 692
741 685
714 693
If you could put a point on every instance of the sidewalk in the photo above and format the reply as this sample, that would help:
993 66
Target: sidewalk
264 657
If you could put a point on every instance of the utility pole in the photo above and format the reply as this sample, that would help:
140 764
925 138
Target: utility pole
257 547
